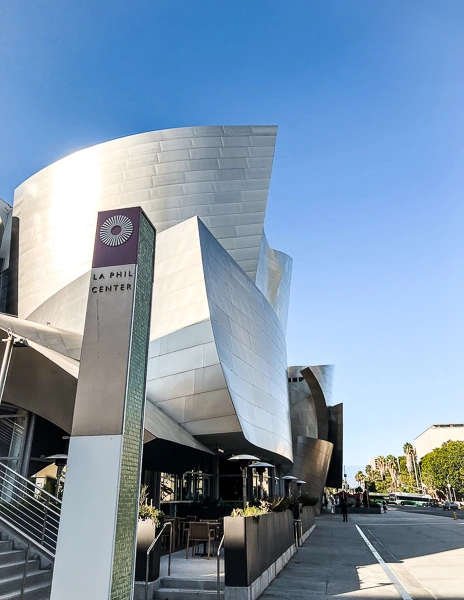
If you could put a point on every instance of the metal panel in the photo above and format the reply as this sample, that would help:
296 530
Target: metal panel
150 169
273 278
312 459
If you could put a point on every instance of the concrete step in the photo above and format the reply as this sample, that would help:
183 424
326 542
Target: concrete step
13 583
183 594
11 556
40 591
6 545
190 584
10 569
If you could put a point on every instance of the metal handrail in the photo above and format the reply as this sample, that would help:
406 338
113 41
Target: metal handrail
297 531
29 510
152 545
26 564
218 564
31 484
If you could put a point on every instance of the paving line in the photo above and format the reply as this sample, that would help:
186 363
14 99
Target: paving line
393 578
410 523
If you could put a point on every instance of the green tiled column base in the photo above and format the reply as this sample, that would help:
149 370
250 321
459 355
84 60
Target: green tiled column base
127 515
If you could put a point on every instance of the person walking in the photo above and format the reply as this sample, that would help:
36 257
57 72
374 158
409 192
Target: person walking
344 509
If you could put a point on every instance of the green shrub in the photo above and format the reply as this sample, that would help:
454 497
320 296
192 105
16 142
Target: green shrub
252 511
306 500
146 511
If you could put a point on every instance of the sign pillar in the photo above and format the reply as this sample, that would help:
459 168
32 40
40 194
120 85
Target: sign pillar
95 555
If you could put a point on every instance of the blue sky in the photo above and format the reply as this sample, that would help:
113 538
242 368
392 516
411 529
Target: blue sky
368 178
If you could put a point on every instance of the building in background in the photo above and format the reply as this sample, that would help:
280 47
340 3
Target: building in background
217 381
436 435
317 428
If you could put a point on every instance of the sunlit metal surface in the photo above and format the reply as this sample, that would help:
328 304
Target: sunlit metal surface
217 356
221 174
63 342
217 363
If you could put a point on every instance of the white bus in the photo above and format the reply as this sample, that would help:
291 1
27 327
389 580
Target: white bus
405 499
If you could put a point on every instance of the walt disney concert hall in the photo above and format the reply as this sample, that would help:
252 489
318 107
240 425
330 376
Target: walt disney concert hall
218 382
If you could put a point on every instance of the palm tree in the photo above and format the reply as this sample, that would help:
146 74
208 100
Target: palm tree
360 477
408 450
368 472
381 466
392 468
411 460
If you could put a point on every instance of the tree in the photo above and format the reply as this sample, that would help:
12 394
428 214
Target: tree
360 477
381 466
443 466
392 469
408 451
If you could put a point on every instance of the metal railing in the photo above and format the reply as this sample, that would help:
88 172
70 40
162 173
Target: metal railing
218 564
298 532
30 510
26 564
152 545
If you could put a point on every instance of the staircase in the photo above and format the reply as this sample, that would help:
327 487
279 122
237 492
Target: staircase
174 588
29 521
37 584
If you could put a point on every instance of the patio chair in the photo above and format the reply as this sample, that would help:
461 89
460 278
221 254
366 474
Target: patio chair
200 532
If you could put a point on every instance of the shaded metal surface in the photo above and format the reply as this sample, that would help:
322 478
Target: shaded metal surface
318 395
335 475
302 408
47 390
221 174
311 464
273 278
159 425
318 462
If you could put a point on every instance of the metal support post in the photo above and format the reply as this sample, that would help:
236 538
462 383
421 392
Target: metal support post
6 363
244 486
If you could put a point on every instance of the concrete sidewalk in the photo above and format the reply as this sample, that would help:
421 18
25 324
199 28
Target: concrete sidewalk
334 562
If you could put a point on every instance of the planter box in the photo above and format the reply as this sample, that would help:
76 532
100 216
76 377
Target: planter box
145 536
308 518
255 550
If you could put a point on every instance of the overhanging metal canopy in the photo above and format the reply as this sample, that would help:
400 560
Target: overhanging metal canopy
63 348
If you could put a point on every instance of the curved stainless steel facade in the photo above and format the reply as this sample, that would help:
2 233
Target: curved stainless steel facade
273 278
220 174
217 356
302 408
312 460
317 428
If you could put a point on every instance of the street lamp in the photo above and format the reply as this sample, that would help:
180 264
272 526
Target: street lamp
244 461
288 481
60 461
260 468
299 483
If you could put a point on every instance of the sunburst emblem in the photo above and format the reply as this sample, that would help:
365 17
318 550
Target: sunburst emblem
116 230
